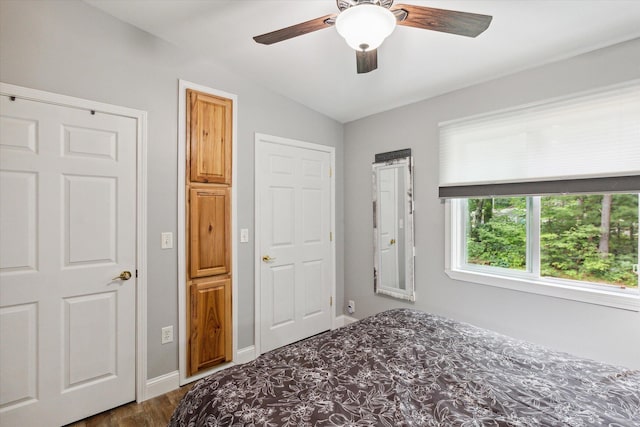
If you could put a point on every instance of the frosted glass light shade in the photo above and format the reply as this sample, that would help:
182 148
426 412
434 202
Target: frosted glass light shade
365 26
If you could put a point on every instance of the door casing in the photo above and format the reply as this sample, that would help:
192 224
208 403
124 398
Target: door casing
141 206
260 139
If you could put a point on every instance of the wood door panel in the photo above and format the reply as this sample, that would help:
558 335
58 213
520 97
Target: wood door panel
209 120
210 323
210 231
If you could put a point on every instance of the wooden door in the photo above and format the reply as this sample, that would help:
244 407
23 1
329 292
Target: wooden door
295 225
210 323
210 231
209 131
68 227
209 123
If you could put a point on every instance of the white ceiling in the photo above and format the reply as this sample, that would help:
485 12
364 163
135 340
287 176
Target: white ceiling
319 69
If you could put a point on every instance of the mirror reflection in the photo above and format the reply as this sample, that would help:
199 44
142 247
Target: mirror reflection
393 225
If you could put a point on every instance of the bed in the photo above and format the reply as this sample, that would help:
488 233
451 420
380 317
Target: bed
409 368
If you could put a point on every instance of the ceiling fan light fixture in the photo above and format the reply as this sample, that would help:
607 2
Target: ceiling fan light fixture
365 26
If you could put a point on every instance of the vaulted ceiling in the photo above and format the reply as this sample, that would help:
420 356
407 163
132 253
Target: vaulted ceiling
319 69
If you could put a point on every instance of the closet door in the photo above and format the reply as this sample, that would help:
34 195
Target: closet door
208 181
210 323
210 231
209 124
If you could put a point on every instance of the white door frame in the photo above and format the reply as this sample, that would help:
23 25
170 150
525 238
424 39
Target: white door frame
260 139
183 85
141 206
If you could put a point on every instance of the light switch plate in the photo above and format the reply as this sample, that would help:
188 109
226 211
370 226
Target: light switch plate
167 334
167 240
244 235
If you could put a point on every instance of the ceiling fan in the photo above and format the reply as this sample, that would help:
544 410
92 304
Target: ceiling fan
366 23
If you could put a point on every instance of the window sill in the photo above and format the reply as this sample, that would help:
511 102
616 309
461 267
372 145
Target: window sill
591 296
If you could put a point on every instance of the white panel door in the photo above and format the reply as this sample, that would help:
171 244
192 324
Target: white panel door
67 228
295 221
388 206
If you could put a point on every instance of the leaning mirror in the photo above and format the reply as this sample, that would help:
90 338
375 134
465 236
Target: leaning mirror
393 225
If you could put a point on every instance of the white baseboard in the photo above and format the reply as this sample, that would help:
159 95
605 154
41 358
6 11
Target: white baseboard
162 384
348 320
342 320
171 381
245 355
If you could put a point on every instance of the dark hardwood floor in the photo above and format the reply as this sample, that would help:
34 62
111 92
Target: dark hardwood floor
154 412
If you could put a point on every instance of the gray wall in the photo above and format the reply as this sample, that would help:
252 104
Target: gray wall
71 48
74 49
593 331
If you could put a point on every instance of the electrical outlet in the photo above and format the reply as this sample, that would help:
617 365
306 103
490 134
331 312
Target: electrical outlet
167 334
167 240
351 306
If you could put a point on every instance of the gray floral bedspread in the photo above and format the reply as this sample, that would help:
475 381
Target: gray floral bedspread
409 368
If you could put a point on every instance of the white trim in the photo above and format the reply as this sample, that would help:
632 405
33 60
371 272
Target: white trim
523 281
343 320
245 355
592 296
338 322
141 207
183 85
162 384
533 234
349 320
259 138
141 369
201 375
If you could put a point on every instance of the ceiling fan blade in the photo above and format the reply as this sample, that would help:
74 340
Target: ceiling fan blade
446 21
296 30
367 61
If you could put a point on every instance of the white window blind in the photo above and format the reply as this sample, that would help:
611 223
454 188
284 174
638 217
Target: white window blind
579 144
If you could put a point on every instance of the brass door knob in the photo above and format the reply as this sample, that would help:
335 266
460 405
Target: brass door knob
267 258
392 242
125 275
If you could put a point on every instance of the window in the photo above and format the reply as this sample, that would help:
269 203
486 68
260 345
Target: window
590 238
578 243
496 232
544 197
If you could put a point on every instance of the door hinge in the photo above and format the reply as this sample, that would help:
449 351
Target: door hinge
330 172
331 301
331 236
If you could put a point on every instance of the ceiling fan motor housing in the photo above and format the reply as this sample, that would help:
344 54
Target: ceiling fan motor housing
346 4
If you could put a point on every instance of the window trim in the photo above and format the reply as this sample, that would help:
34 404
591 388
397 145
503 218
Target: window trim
523 281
